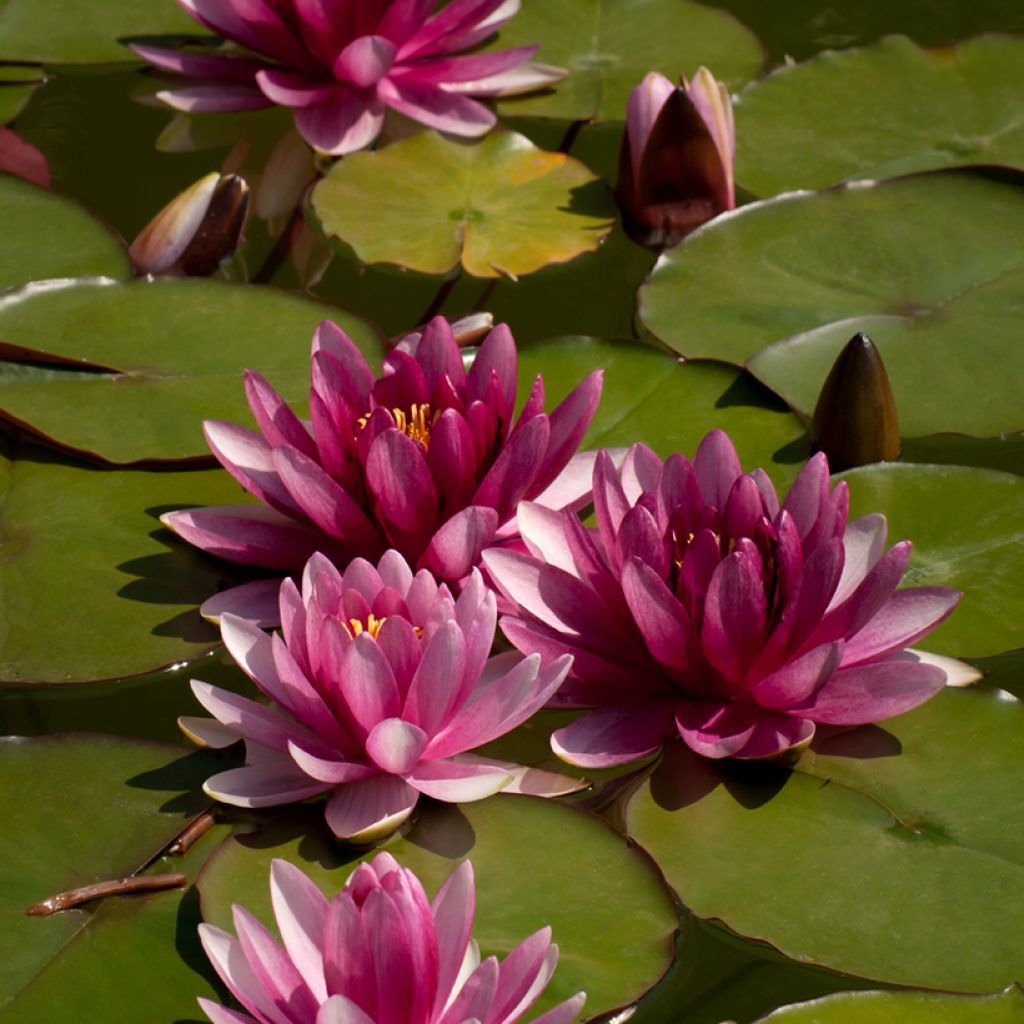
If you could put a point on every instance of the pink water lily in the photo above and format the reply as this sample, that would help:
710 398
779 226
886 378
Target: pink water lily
379 686
426 459
379 952
340 65
703 607
676 160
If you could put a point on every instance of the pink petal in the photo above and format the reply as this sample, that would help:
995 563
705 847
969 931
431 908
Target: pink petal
663 621
510 477
734 616
871 693
449 27
332 772
222 1015
444 70
523 975
447 112
225 953
809 491
214 99
565 1012
300 909
252 534
263 785
906 617
364 811
397 474
396 745
863 546
436 681
288 89
457 783
365 61
453 917
457 545
250 719
613 736
716 466
246 455
798 681
739 730
23 159
354 376
342 123
256 601
199 65
339 1010
642 109
367 682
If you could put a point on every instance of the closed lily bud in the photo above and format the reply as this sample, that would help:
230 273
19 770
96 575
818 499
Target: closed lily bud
195 232
676 161
855 420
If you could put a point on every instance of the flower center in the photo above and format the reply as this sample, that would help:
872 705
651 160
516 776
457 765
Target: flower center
416 422
372 625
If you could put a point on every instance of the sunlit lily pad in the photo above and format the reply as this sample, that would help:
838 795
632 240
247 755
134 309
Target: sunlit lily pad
906 1007
91 585
163 356
886 854
927 265
609 45
536 862
889 109
83 31
80 809
48 235
500 206
967 528
651 396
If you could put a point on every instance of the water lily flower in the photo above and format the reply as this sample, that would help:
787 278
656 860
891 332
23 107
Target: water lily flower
378 953
426 459
702 606
676 160
380 685
196 231
340 65
855 420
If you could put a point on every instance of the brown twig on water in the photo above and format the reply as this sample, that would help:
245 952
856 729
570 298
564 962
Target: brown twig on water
111 887
191 832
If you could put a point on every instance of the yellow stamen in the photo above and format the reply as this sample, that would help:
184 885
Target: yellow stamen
354 627
415 423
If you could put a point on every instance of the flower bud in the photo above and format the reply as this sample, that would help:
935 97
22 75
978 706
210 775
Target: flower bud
195 232
676 160
855 420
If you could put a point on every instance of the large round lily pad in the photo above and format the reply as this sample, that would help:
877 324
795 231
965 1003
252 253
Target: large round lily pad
170 354
536 862
92 586
927 265
893 852
80 809
48 235
500 206
967 528
608 46
889 109
652 397
85 32
906 1007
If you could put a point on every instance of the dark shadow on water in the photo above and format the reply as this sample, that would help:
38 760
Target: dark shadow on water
594 199
867 741
794 452
683 778
748 390
306 824
182 779
442 829
186 942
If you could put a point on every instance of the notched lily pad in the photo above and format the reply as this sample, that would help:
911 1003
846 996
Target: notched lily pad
928 266
500 206
891 108
610 913
161 357
967 528
92 586
607 46
47 235
907 829
906 1007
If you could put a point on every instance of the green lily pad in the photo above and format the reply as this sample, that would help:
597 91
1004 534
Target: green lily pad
651 396
91 585
609 45
16 86
164 356
889 109
813 25
892 852
82 808
925 265
83 32
499 206
47 235
907 1007
967 528
611 914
